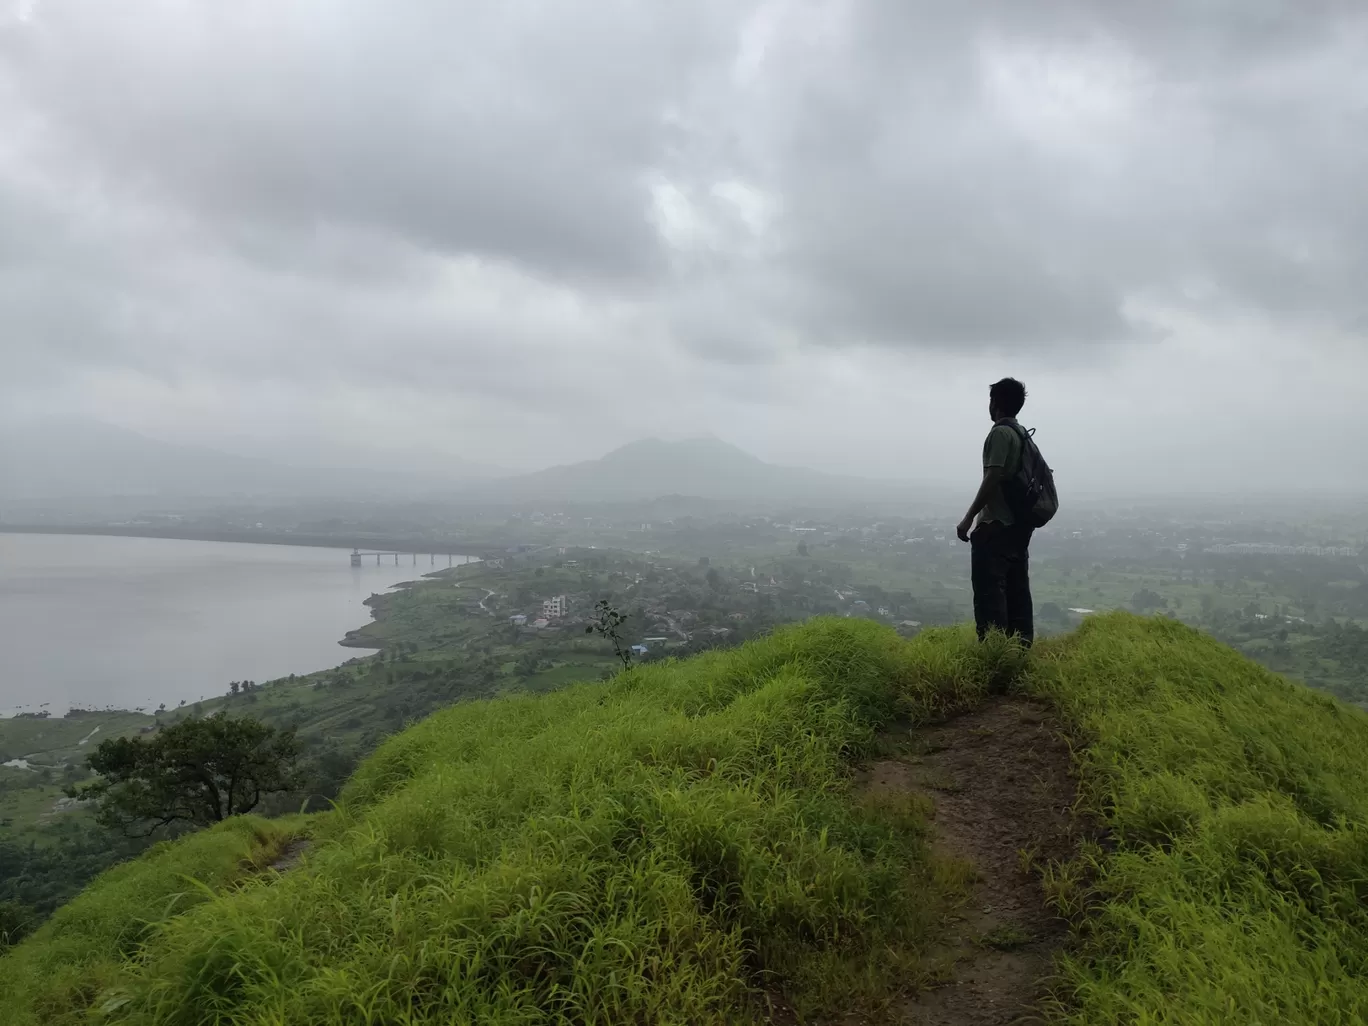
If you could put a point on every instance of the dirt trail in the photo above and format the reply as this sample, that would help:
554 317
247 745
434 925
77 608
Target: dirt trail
999 779
291 854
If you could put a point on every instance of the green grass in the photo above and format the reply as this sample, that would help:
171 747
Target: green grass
57 739
28 796
675 844
26 804
81 956
567 673
1006 938
664 847
1231 888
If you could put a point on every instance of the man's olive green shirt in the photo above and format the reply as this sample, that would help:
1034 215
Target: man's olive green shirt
1002 448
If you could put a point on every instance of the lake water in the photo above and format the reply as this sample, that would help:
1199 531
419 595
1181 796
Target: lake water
128 622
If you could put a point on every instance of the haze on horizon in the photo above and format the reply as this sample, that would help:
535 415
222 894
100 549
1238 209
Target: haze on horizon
523 235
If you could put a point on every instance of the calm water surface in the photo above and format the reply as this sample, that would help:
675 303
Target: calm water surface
129 622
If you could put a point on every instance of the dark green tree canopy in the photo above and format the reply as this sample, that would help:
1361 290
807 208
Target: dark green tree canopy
198 772
16 921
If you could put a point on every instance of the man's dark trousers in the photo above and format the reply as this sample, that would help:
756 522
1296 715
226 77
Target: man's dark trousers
1000 572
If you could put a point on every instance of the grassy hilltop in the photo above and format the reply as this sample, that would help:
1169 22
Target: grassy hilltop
687 843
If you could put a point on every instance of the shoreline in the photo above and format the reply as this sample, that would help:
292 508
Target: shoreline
352 640
404 545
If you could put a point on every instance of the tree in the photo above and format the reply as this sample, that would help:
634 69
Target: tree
606 624
1145 601
200 771
16 920
328 770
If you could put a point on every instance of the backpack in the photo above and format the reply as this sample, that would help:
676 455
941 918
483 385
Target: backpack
1030 492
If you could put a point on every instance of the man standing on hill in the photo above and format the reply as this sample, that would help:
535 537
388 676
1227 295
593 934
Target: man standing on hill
999 566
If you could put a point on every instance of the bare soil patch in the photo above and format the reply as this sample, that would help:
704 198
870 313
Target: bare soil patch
999 778
291 854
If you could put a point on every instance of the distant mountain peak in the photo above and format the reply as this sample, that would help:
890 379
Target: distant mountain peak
701 467
702 447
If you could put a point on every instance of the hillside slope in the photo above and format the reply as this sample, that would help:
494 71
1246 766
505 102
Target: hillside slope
702 468
686 842
1232 885
651 849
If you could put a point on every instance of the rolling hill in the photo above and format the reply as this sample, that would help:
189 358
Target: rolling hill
703 468
70 460
774 833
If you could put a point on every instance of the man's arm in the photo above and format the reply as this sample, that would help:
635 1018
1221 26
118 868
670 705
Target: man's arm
992 476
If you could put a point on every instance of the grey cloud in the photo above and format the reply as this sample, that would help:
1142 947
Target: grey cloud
517 131
920 214
281 192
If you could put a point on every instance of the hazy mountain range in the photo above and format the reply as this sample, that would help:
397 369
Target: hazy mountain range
85 460
704 468
73 460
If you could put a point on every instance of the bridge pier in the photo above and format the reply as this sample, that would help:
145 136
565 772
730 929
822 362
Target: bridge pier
357 554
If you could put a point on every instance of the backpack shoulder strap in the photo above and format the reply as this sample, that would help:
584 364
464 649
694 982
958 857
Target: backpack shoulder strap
1027 435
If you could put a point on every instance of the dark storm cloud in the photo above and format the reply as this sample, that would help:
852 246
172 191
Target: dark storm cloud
1015 174
518 131
281 190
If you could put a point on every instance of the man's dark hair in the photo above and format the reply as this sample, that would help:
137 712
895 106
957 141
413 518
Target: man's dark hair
1008 395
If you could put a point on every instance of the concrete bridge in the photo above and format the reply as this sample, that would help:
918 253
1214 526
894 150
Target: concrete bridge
432 557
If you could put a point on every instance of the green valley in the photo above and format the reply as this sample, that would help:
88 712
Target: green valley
687 841
481 630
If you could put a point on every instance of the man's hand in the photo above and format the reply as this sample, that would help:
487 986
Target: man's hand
991 477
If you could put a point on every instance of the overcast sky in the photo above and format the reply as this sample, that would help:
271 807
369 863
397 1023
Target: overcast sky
526 232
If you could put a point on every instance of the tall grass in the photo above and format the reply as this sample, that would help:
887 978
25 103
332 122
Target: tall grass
83 950
671 845
1232 888
661 848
